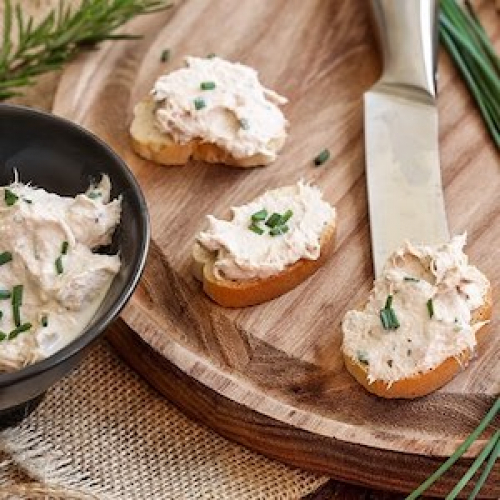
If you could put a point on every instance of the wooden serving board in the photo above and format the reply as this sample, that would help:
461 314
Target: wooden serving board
271 376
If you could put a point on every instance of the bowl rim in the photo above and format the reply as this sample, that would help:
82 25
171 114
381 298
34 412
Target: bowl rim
88 335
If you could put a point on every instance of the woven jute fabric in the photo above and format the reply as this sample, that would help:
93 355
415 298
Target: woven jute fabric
104 433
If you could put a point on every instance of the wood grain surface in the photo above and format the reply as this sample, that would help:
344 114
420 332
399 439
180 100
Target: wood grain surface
271 376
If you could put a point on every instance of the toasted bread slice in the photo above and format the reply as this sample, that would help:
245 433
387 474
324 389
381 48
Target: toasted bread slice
229 293
429 381
152 144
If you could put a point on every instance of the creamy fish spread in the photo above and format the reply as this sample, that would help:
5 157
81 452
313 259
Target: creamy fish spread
51 281
268 234
223 103
418 313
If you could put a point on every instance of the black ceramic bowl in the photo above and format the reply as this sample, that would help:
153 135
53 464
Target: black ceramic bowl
63 158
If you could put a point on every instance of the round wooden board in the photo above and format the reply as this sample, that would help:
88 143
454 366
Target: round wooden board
271 376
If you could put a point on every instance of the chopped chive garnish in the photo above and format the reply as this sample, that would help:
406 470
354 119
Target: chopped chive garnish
256 229
17 300
59 265
394 320
362 357
27 200
1 314
277 230
3 336
322 157
430 308
5 257
286 216
94 194
244 124
165 55
20 329
390 363
274 220
385 319
64 247
284 229
260 215
207 85
5 294
211 55
388 302
199 103
10 197
45 321
411 278
388 317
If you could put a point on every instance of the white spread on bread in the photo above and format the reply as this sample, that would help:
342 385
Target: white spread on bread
242 254
50 241
413 276
238 114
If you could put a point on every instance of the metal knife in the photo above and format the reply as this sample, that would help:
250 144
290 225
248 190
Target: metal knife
405 194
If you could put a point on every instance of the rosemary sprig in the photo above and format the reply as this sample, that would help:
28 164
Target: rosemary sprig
491 449
474 55
59 36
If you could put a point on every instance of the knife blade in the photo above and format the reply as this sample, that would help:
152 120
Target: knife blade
405 195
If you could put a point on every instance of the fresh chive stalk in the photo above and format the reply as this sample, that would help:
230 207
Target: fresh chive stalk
255 228
10 197
64 247
199 103
59 265
274 220
5 257
430 308
165 55
20 329
17 301
492 413
207 85
322 157
260 215
45 321
476 59
5 294
3 336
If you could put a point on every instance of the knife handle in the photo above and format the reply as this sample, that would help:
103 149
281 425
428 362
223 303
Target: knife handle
409 39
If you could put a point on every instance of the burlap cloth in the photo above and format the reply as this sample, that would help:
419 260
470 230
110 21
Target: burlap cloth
104 433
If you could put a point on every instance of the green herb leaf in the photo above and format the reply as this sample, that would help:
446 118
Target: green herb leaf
199 103
388 302
94 194
17 301
5 294
44 321
260 215
63 33
255 228
5 257
411 278
165 55
211 55
274 220
286 216
64 247
207 85
59 265
3 336
10 197
322 157
430 308
20 329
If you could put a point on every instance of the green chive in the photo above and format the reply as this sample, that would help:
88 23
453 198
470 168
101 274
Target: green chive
275 231
207 85
260 215
284 229
244 124
286 216
165 55
5 294
256 229
394 320
362 357
10 197
3 336
199 103
411 278
94 194
385 319
5 257
322 157
17 300
1 314
20 329
388 302
27 200
59 265
430 308
45 321
64 247
211 55
274 220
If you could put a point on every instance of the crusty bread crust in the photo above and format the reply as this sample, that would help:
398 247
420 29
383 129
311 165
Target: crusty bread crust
229 293
423 383
152 144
